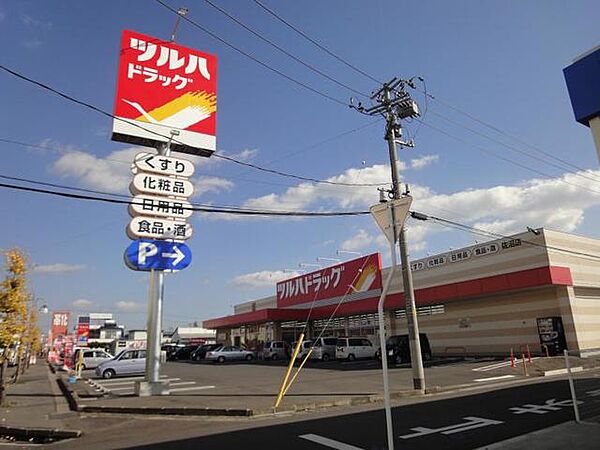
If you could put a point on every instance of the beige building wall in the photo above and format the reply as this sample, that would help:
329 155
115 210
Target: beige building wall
491 325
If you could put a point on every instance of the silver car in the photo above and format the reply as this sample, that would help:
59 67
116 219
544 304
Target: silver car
93 358
127 362
229 353
324 348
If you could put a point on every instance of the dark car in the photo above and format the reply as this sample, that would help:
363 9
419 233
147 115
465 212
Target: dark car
200 352
398 348
184 353
171 350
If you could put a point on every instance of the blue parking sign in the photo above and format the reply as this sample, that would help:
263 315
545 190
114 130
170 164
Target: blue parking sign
148 254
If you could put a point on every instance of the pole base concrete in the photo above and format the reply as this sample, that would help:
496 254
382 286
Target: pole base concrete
151 388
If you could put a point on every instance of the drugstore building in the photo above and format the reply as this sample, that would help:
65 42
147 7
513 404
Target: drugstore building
539 289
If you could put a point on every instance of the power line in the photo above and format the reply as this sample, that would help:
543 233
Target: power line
514 149
208 209
508 160
314 42
500 131
250 56
282 50
486 233
168 138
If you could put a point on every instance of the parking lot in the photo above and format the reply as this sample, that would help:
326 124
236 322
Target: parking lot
331 378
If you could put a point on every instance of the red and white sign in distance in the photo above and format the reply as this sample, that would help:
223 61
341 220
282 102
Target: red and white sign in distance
358 275
164 87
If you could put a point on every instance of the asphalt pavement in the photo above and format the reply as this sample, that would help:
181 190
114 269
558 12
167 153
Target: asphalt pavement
459 423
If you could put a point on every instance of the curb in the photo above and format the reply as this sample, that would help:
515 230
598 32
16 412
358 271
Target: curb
27 433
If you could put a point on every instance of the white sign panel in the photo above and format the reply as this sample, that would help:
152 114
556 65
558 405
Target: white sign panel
382 213
159 206
158 228
146 183
163 165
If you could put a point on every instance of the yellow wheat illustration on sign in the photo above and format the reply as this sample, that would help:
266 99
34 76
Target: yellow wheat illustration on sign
366 279
182 112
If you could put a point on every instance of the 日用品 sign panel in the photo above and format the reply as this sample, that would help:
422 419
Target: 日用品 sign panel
163 87
159 206
358 276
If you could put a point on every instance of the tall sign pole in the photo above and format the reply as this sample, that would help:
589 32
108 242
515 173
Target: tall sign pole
394 103
166 99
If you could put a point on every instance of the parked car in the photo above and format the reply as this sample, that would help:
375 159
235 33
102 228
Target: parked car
229 353
398 348
92 358
183 353
201 350
276 350
125 363
303 350
324 348
352 348
171 349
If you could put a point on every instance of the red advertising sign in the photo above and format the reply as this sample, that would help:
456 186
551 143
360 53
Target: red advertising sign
166 89
348 278
60 323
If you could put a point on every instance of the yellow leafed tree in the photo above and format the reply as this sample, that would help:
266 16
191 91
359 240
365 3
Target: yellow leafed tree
13 308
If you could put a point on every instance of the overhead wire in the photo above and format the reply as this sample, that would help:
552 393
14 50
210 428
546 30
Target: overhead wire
314 42
250 56
171 139
283 50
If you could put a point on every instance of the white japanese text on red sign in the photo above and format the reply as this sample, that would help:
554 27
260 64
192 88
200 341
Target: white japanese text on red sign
311 283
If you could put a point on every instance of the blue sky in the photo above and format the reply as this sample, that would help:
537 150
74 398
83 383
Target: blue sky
499 61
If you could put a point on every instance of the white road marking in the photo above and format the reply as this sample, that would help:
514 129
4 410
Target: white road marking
116 383
498 365
502 377
191 388
328 442
182 383
471 424
594 393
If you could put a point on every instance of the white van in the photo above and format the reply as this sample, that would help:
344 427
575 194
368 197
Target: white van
352 348
324 348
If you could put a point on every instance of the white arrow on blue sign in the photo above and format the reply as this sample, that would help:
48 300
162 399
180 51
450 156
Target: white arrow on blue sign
148 254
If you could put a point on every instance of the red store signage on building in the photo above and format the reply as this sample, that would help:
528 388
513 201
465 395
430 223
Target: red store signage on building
350 277
60 323
167 90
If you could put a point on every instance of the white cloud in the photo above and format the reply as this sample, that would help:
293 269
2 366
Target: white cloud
112 173
32 43
82 303
424 161
31 21
262 279
129 306
211 184
57 268
359 241
246 154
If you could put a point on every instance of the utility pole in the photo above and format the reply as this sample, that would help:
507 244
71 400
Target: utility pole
394 104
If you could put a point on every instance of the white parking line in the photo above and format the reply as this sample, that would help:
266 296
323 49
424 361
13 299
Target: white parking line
191 388
116 383
328 442
183 383
498 365
494 378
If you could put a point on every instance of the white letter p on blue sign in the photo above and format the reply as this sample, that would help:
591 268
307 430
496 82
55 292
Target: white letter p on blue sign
145 250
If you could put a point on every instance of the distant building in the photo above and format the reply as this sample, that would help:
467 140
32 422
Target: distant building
103 329
190 335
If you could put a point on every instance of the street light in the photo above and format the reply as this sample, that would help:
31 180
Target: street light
347 252
310 265
323 258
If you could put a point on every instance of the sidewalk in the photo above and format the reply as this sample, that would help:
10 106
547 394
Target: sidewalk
35 405
580 436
